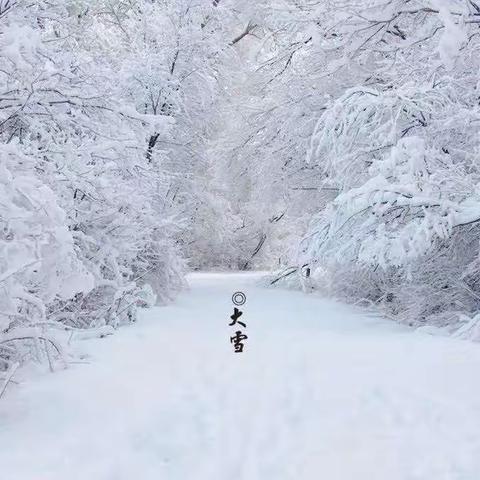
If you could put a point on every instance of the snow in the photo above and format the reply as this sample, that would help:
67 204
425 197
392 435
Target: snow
453 37
321 391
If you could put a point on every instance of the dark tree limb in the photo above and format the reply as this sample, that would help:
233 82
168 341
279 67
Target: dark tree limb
257 249
248 30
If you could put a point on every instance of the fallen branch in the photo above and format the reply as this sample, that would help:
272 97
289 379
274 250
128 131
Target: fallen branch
9 375
291 272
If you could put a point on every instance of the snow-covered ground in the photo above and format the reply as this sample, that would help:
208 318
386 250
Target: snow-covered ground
321 392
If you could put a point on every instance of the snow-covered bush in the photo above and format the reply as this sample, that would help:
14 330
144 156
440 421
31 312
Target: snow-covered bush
38 262
402 151
85 234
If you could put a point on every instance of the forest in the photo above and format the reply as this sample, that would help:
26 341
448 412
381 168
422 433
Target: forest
333 143
239 239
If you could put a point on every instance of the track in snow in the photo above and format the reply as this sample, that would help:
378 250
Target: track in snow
321 392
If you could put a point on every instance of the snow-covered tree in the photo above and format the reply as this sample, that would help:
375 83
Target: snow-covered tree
81 142
401 149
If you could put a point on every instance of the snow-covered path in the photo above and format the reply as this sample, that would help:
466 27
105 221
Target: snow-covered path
321 392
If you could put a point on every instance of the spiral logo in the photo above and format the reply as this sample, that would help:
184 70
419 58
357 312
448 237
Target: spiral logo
239 298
